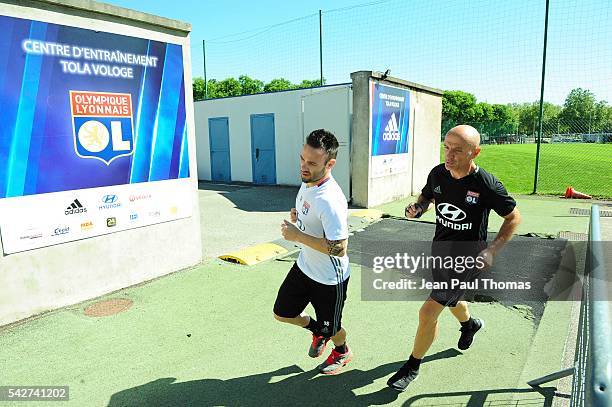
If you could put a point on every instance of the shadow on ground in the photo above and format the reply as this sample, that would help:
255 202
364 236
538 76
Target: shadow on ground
551 266
529 397
301 388
255 198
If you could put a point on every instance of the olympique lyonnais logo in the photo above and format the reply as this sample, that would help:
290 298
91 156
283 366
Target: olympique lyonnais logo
472 197
102 122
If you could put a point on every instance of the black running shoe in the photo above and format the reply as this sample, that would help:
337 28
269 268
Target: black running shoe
402 378
318 346
467 333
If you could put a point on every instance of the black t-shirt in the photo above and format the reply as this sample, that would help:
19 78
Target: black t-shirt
463 205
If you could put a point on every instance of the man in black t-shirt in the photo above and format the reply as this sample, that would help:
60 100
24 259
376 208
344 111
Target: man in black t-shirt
463 195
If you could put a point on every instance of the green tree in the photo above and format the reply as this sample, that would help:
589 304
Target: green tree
503 114
198 89
278 84
551 123
582 112
245 85
250 86
528 118
228 87
458 106
497 121
213 89
481 113
607 121
306 83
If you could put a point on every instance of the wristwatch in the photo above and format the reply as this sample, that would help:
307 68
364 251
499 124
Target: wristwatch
419 206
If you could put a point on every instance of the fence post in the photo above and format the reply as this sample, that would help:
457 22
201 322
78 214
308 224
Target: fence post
205 80
537 163
599 374
321 45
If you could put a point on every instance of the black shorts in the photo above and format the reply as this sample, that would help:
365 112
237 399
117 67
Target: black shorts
449 297
298 290
445 274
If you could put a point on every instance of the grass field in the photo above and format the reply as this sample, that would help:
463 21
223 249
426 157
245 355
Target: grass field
586 167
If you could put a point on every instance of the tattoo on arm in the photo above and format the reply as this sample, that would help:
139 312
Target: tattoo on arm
335 247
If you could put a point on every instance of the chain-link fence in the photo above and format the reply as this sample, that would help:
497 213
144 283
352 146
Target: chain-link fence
580 159
490 51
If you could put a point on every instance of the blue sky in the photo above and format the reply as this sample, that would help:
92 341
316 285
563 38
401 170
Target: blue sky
490 48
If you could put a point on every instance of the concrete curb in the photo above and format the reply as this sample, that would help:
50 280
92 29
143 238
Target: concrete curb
371 214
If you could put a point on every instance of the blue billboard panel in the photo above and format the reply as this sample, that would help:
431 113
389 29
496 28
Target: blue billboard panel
85 109
390 118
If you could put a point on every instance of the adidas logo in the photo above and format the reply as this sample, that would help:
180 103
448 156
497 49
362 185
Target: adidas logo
437 190
391 129
75 208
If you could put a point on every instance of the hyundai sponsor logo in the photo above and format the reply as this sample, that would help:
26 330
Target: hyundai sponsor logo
451 216
110 202
109 199
451 212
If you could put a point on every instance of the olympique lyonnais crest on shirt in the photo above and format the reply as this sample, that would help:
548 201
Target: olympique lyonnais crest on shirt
305 208
102 122
472 197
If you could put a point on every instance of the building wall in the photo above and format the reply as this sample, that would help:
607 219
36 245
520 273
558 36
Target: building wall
424 142
289 125
44 279
426 145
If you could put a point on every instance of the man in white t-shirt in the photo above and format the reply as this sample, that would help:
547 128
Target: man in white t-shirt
321 274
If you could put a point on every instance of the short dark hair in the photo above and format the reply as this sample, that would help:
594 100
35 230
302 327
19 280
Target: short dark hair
325 140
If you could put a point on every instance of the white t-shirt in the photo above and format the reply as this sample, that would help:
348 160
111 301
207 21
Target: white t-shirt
323 212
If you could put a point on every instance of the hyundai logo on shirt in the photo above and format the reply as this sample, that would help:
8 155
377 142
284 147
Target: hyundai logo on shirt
451 215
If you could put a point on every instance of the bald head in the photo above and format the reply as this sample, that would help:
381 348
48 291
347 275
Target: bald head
461 147
467 134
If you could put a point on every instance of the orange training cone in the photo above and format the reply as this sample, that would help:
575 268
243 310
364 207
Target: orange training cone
572 193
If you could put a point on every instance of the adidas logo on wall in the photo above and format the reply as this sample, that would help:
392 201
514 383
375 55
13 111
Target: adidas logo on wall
75 208
391 129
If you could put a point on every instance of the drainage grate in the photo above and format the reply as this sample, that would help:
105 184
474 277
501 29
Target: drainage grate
579 211
574 236
108 307
587 212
